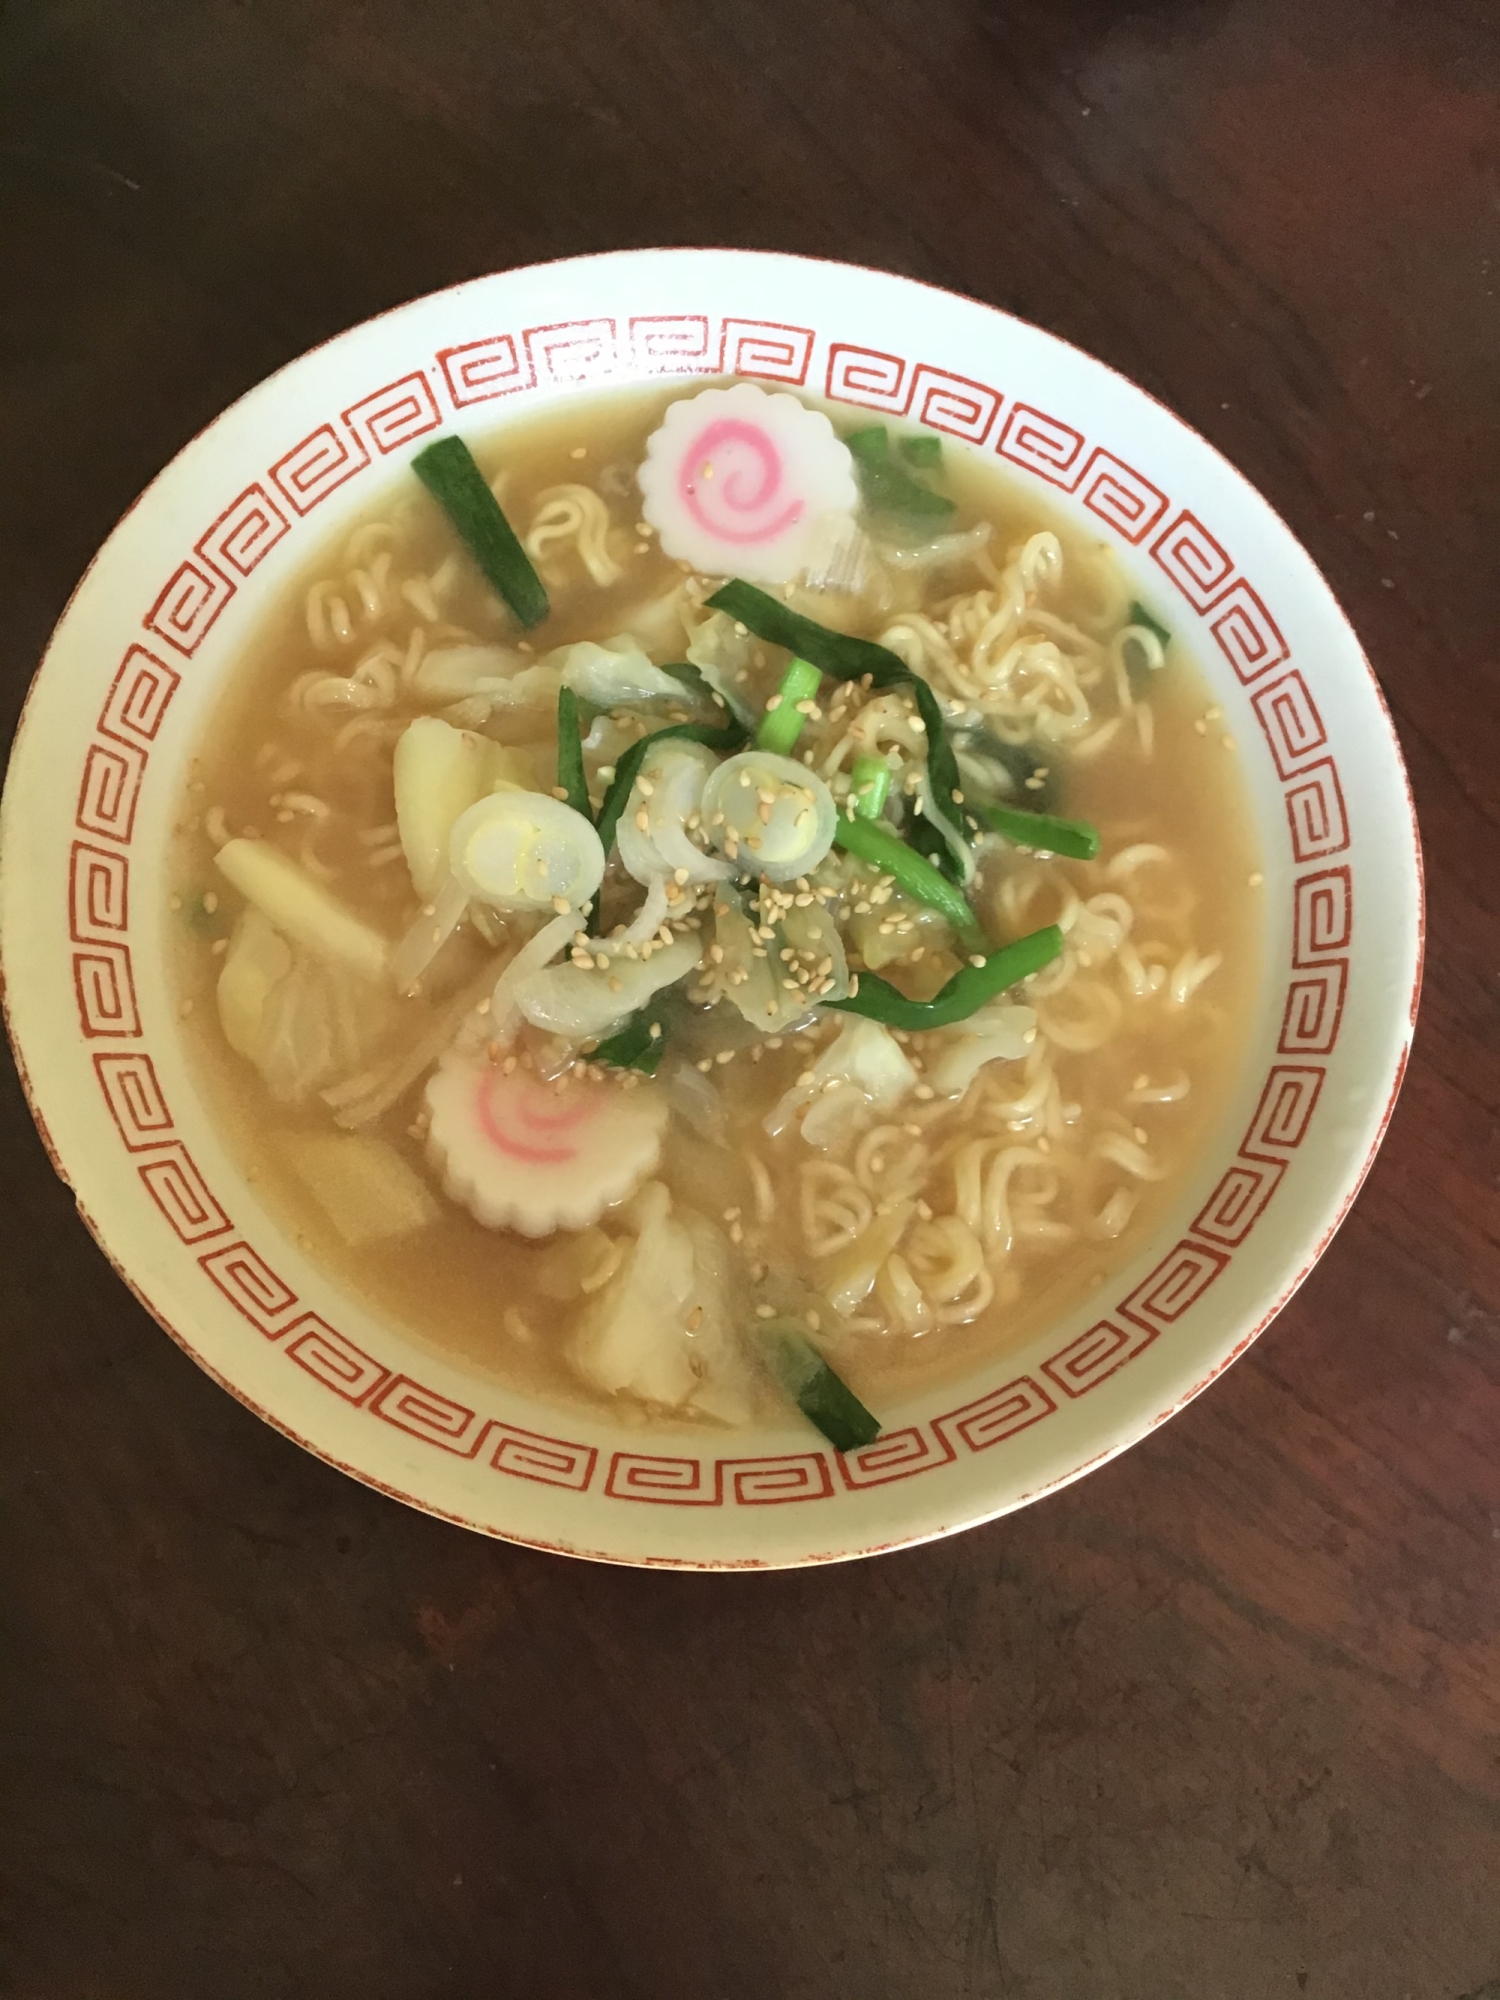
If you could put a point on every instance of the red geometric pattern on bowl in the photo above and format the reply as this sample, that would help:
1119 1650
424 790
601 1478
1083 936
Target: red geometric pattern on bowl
224 555
669 1482
333 1359
174 1183
1196 562
137 702
134 1097
768 1482
1246 633
104 986
252 1287
109 788
244 534
896 1455
1043 445
1314 1010
1237 1202
1315 812
430 1416
572 351
1013 1407
1289 718
1179 1280
1091 1358
509 362
549 1461
1323 906
98 893
335 451
1284 1112
676 344
935 397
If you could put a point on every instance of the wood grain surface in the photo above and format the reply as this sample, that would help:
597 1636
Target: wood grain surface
1220 1723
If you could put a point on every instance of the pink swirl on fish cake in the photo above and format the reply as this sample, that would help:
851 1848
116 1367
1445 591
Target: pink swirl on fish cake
745 488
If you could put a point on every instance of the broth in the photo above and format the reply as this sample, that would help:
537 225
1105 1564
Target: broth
987 1210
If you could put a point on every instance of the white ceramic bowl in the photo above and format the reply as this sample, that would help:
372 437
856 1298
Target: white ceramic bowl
159 619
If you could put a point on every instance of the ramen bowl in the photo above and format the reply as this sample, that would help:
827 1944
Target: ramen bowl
98 773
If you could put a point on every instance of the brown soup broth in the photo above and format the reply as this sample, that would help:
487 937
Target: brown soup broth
1143 1072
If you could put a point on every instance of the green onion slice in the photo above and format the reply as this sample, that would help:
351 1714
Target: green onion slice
870 786
966 992
1074 838
873 841
823 1397
634 1046
782 725
1139 615
925 450
693 681
448 471
570 778
847 659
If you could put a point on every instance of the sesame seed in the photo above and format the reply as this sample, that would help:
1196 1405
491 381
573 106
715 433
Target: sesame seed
765 1312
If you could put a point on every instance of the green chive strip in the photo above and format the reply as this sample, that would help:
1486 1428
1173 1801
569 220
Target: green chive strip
823 1397
570 779
1139 615
1074 838
638 1044
966 992
693 681
781 724
448 471
846 659
924 450
870 786
873 841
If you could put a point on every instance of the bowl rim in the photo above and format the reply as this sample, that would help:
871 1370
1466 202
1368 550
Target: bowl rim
1351 1178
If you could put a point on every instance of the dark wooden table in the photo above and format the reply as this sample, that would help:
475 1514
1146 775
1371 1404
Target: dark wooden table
1222 1722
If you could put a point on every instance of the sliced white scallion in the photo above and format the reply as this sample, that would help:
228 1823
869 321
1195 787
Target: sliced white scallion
524 851
774 817
586 1003
652 832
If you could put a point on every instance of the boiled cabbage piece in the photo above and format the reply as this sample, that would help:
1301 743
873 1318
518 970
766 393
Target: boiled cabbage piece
302 1021
662 1332
864 1069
